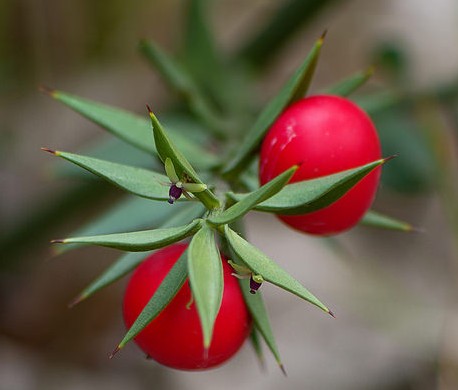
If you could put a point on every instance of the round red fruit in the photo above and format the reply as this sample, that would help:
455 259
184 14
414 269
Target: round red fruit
324 134
174 338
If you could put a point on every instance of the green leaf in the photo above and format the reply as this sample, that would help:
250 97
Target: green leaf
293 90
166 291
123 124
183 83
114 272
184 215
351 84
183 168
129 214
129 261
262 265
378 220
286 21
206 279
133 213
143 240
200 53
256 344
111 149
258 311
138 181
249 201
314 194
136 213
132 128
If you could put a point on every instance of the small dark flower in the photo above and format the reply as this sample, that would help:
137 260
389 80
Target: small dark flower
178 187
243 272
255 284
174 193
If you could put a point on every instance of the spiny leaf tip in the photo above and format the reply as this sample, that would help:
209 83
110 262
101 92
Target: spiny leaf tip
58 241
49 151
323 35
75 301
115 351
386 159
46 90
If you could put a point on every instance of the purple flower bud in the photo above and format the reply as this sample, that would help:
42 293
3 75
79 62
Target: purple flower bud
174 193
254 285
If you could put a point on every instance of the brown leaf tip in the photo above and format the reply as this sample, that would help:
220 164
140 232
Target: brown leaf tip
46 90
75 301
115 351
49 151
386 159
323 35
150 111
282 368
58 241
331 313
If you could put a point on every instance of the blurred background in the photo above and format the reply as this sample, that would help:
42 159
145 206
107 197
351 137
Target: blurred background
395 294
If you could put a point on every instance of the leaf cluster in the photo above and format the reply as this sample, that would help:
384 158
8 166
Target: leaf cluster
224 173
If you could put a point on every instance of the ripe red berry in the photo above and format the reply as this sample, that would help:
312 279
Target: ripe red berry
174 338
323 134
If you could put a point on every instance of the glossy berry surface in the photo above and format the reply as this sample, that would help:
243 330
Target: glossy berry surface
324 134
174 338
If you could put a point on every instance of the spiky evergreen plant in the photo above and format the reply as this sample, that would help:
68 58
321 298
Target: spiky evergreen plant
207 152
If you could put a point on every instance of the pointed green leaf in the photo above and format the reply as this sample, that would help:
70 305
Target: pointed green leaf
133 213
166 291
286 20
351 84
249 201
256 344
129 214
262 265
129 261
132 128
200 52
143 240
114 272
206 279
136 213
183 83
138 181
378 220
293 90
123 124
111 149
311 195
185 215
258 311
183 168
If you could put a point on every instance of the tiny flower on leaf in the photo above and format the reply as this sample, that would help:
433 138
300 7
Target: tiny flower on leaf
242 272
179 187
255 283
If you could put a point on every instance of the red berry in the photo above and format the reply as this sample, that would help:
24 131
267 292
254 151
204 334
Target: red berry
174 338
324 135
